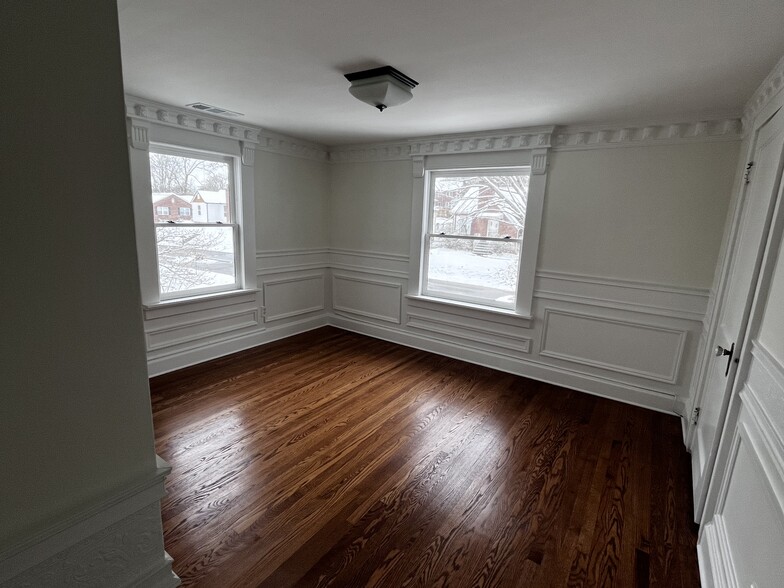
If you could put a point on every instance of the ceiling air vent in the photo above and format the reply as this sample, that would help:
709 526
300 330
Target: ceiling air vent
213 109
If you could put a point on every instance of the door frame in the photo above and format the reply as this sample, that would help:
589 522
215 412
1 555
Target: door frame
728 248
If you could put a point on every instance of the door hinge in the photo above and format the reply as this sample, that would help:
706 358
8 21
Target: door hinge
695 415
263 313
747 176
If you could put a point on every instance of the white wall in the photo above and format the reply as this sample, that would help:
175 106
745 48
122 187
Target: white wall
291 202
652 214
76 425
370 206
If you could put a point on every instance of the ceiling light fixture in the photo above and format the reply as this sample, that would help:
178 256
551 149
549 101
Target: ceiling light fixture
381 87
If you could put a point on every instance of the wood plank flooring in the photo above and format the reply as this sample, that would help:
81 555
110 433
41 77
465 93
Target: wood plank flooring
334 459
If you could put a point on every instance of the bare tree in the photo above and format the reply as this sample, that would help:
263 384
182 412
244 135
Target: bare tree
185 175
186 255
507 195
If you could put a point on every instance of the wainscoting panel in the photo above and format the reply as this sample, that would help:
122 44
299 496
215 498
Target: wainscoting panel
367 297
742 542
631 341
471 335
293 296
623 346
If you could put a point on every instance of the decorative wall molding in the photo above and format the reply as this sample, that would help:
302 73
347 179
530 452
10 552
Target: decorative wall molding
370 298
764 392
161 362
117 541
573 138
564 138
393 151
189 306
285 145
289 297
139 137
671 354
770 86
248 154
200 328
574 379
291 260
142 109
641 297
472 336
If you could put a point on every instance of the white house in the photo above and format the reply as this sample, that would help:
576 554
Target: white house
209 206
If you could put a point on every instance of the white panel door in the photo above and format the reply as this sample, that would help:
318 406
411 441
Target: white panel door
734 314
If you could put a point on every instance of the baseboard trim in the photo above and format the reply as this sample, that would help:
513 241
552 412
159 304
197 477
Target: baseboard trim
177 360
116 541
558 376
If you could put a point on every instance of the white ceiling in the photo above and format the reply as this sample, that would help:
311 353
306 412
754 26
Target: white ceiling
481 64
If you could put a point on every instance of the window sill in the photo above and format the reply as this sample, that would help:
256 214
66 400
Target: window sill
477 310
175 302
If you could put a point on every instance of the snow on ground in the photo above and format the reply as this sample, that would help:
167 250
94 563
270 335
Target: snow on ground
464 267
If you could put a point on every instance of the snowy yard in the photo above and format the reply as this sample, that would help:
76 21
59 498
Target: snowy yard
484 277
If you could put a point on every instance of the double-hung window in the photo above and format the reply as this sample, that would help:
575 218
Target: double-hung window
476 220
474 234
198 253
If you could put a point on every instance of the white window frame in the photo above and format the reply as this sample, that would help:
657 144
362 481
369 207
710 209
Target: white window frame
183 141
231 201
429 233
427 167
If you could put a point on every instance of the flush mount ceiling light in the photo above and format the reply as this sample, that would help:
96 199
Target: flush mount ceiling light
381 87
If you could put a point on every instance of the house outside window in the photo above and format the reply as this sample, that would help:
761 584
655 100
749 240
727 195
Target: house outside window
473 237
195 254
476 220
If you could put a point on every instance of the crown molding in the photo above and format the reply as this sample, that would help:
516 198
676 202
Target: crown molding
571 138
566 138
163 114
396 151
769 87
285 145
141 109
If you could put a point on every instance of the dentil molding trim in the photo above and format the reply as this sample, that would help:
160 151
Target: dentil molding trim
769 87
567 138
558 138
147 110
253 138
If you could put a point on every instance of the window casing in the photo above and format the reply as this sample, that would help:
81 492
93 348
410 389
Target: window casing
473 232
428 222
196 256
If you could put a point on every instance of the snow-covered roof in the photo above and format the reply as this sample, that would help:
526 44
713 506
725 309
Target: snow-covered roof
159 196
211 196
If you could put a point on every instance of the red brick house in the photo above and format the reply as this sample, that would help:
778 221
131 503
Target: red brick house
167 206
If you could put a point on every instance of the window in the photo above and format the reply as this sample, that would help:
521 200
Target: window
476 219
198 255
473 237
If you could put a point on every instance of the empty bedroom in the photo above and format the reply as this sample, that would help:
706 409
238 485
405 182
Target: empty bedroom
393 294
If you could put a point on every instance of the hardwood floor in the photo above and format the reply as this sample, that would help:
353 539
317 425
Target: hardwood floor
334 459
